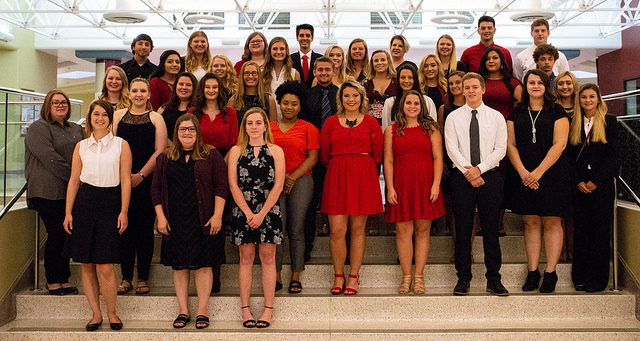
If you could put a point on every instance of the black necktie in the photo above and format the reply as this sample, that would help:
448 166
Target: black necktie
326 107
474 134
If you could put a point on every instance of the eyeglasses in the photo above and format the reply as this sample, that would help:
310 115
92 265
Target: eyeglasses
256 42
250 73
59 104
190 130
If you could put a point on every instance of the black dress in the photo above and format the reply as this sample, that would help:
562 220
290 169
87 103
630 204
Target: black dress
256 177
187 247
252 101
137 239
553 197
170 117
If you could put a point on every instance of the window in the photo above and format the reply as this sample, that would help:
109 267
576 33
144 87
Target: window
376 19
282 18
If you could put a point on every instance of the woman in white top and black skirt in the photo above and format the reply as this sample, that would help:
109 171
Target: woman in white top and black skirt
96 212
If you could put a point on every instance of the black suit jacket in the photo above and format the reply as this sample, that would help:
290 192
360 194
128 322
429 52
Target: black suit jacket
600 157
295 58
313 110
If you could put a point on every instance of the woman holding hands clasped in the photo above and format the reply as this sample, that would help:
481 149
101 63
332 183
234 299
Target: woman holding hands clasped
412 172
351 147
537 186
256 179
96 211
189 191
593 145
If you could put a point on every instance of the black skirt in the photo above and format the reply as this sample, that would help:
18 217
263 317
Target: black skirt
95 238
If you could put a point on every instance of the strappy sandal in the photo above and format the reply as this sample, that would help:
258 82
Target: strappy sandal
405 285
295 287
181 321
125 287
338 290
143 288
202 322
352 291
251 323
418 285
263 323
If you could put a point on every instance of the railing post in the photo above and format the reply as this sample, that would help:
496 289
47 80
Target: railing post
616 285
36 256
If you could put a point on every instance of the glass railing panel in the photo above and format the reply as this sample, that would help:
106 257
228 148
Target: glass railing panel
18 109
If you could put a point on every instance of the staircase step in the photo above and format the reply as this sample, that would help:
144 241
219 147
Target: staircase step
545 329
371 275
371 304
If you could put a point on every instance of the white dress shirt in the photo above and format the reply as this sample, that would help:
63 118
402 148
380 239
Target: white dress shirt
101 161
523 62
388 105
493 137
308 54
588 124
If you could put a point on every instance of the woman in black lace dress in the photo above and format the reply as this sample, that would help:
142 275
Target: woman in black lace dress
146 133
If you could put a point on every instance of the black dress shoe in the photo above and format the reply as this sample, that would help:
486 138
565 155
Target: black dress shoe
593 289
580 287
90 327
116 325
70 290
278 286
496 288
533 281
549 282
55 292
462 288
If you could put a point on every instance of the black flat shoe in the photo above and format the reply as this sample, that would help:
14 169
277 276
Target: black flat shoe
56 292
278 286
70 290
116 325
181 321
580 287
549 282
496 288
90 327
462 288
295 287
532 282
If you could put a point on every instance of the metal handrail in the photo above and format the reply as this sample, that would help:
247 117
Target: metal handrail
33 93
13 200
619 95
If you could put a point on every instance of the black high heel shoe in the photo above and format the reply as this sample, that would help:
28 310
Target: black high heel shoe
263 323
533 281
549 282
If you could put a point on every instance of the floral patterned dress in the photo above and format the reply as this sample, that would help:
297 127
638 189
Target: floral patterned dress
256 177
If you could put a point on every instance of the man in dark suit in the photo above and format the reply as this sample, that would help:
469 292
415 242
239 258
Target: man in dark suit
304 60
321 104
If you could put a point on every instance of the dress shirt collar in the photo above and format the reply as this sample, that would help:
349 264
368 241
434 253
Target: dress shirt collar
468 109
104 141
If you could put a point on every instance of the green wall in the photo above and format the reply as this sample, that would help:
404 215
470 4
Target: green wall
17 229
629 238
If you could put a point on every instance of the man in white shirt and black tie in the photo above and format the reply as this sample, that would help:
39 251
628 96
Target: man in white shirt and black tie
476 141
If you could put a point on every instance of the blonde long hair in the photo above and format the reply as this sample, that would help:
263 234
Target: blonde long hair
575 99
123 101
231 80
269 65
145 81
391 71
190 60
599 122
342 71
351 66
237 101
453 60
442 80
243 137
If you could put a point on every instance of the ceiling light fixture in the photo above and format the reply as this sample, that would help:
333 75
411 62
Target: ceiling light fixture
204 19
451 19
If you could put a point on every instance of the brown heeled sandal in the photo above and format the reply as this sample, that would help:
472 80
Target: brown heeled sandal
405 285
418 285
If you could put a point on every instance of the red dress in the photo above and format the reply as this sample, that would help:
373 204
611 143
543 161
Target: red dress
222 132
413 177
351 185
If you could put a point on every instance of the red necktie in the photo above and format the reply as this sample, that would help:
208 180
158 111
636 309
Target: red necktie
305 66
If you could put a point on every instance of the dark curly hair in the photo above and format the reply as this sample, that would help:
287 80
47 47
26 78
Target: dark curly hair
292 87
545 49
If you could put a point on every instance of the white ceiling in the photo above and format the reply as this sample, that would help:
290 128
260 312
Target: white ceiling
63 26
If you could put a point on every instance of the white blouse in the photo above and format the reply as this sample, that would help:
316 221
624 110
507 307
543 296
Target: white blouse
199 72
101 161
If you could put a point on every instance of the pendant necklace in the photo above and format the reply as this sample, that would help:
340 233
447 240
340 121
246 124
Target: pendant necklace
350 123
533 123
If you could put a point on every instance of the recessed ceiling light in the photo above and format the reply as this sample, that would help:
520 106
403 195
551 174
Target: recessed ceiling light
202 19
125 17
451 19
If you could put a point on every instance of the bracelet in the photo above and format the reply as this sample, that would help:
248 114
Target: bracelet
142 176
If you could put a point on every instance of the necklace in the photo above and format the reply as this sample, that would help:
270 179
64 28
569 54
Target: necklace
350 123
533 123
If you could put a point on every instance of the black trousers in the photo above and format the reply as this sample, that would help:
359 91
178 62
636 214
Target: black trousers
488 199
593 217
56 267
137 239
